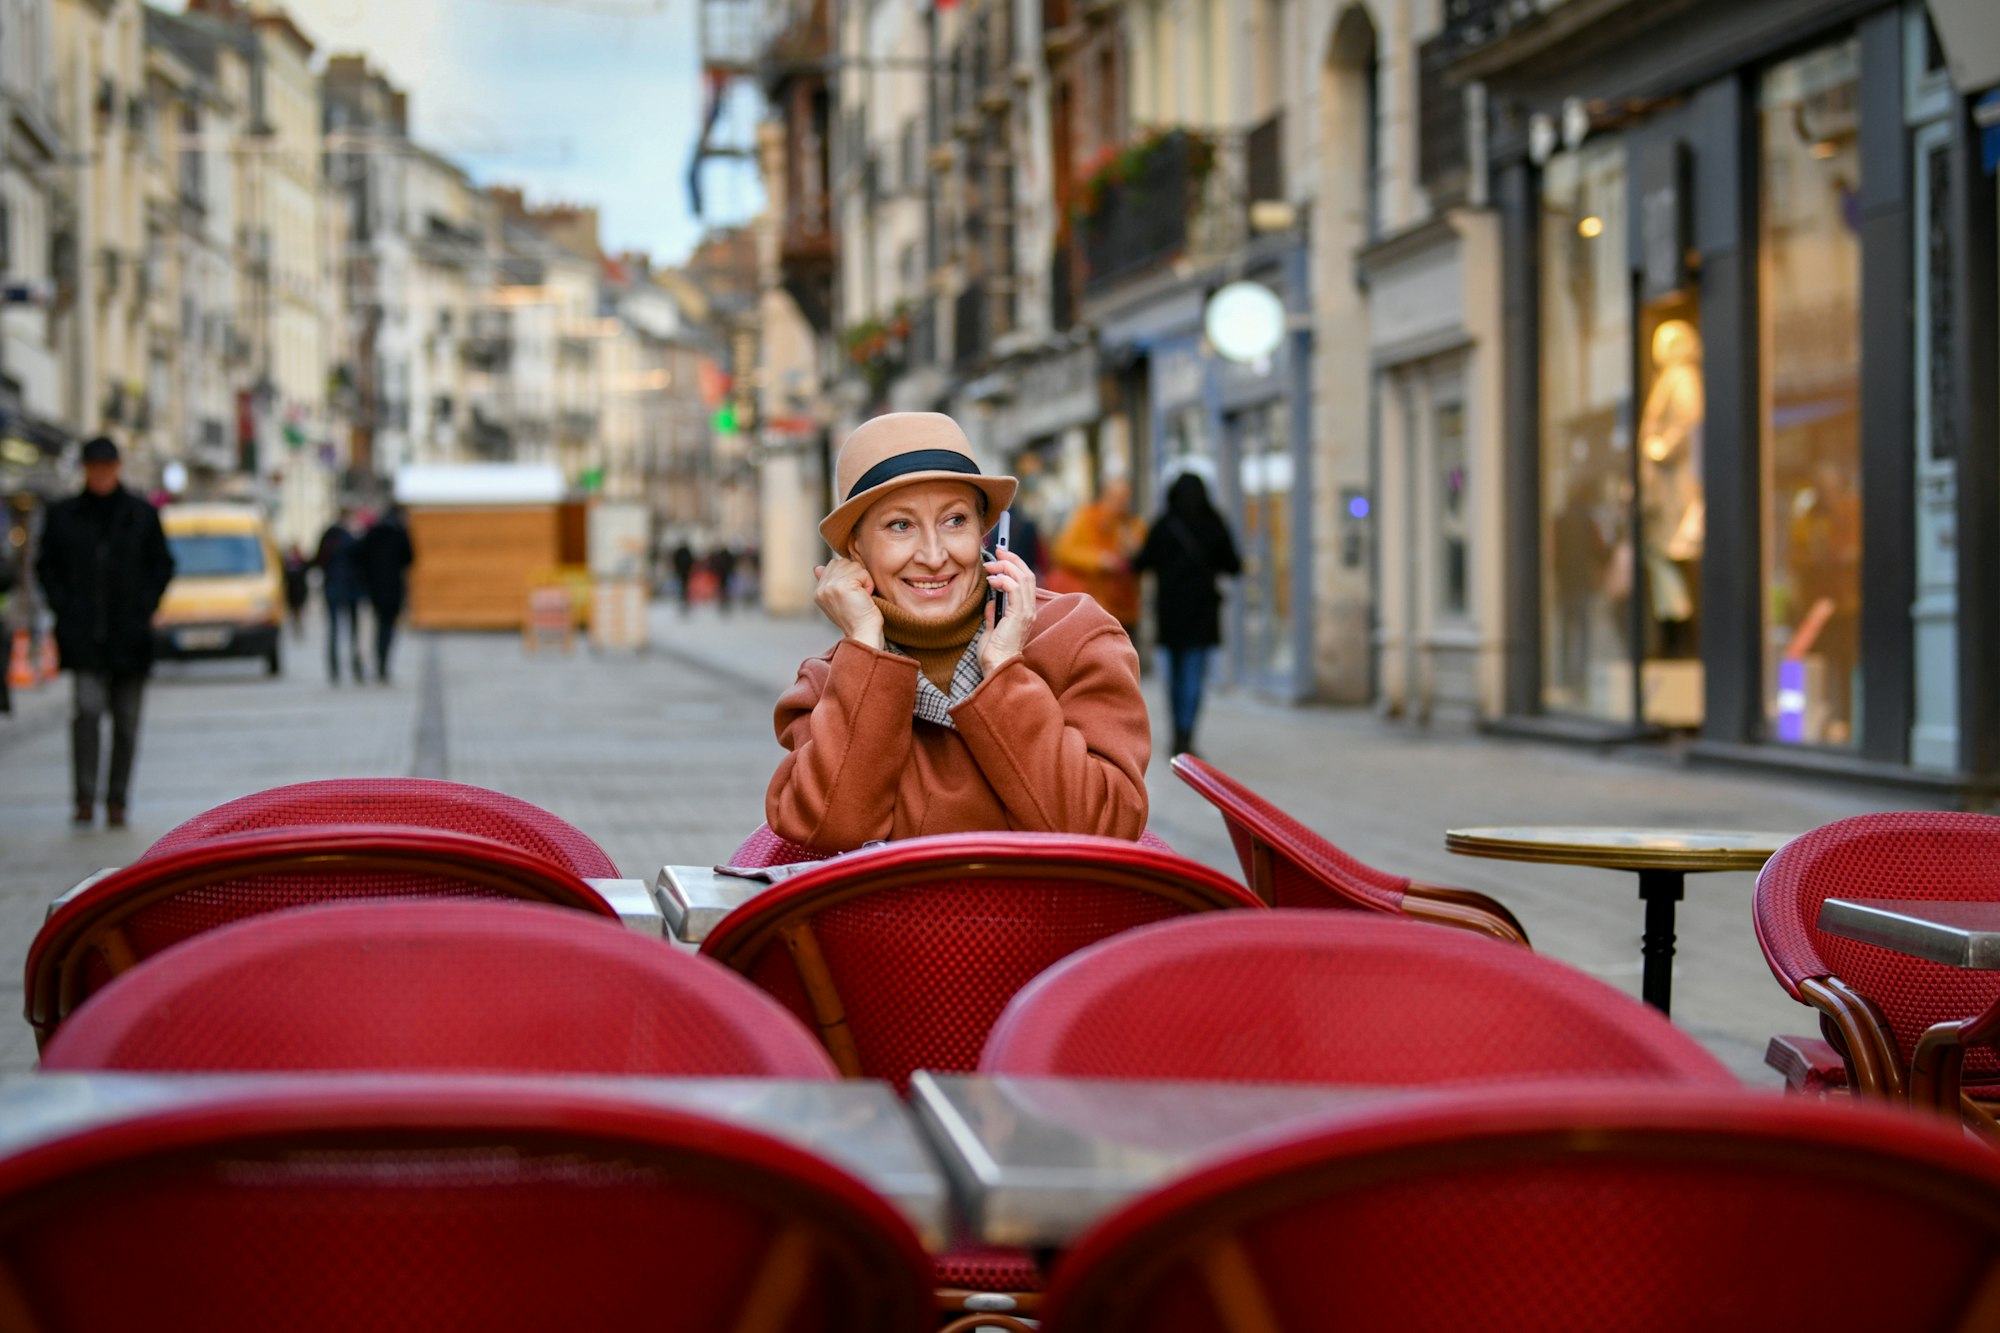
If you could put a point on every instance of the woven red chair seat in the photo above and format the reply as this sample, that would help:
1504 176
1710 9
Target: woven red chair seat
1318 997
417 802
433 987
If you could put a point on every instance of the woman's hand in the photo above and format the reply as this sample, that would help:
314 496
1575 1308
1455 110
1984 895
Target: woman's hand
847 595
1010 574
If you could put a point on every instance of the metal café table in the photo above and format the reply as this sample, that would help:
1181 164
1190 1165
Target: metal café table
1663 858
693 898
1963 935
860 1126
1034 1161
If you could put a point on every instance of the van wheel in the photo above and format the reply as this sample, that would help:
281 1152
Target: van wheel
273 664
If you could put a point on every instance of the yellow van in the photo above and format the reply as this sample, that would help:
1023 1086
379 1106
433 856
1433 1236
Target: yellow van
227 598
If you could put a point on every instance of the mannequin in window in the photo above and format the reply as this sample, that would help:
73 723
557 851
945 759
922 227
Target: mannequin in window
1670 463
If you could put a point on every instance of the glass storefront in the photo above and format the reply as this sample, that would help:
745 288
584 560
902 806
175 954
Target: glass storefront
1264 481
1809 305
1586 434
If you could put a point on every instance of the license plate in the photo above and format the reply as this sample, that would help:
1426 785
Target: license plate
201 640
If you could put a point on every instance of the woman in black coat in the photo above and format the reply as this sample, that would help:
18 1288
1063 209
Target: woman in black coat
1187 548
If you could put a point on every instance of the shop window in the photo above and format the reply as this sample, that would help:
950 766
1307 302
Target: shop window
1586 400
1809 324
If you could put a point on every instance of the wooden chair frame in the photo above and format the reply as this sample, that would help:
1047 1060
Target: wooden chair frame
92 922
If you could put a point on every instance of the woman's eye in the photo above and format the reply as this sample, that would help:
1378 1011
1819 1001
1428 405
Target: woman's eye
899 525
955 521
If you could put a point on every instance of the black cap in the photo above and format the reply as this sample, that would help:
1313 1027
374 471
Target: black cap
103 449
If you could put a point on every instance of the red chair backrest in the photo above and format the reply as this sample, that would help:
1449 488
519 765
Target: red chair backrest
765 848
913 949
1308 871
1321 997
1559 1209
1924 855
452 1203
418 802
140 909
432 987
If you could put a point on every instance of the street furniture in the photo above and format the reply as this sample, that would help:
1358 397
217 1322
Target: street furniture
454 1201
124 916
474 986
416 802
1288 865
1879 998
1559 1208
1954 934
1296 996
1663 858
902 956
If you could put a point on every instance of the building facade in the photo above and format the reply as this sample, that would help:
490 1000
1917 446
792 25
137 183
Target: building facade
1750 465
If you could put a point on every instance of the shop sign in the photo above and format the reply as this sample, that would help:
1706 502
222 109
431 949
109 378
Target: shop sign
1054 394
1178 374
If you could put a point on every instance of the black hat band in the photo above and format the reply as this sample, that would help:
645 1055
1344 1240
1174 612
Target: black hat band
917 460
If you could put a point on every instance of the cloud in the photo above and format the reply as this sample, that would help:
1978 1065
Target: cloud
593 102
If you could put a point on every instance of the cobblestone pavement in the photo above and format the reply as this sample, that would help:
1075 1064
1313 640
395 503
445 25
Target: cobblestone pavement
663 756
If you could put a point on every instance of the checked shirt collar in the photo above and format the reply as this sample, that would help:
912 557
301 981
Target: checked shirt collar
933 704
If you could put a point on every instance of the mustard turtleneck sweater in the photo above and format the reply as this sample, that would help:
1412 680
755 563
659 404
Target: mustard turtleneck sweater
937 642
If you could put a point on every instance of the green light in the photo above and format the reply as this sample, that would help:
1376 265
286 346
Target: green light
725 419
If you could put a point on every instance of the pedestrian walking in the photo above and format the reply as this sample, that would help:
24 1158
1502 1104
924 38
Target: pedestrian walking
10 574
929 716
340 585
385 555
297 588
1186 550
1094 554
683 558
103 567
722 564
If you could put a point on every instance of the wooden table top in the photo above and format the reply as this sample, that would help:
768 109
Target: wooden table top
1618 848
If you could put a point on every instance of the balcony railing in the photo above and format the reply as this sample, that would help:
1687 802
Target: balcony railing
1187 197
1471 24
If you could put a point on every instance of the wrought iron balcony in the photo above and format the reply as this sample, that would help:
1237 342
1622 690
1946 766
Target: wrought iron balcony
1185 195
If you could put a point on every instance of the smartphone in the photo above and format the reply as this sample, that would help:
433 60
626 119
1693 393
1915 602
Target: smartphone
1000 538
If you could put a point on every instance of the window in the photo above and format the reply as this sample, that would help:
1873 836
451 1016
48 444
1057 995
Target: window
1454 512
1586 359
1809 306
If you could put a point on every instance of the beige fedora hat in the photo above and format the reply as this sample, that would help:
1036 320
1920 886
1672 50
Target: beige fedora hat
901 449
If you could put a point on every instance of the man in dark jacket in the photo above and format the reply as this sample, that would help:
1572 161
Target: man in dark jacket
340 584
384 555
104 565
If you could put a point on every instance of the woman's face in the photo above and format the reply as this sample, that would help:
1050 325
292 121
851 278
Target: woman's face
920 544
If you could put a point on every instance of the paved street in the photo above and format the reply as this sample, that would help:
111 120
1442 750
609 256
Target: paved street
664 757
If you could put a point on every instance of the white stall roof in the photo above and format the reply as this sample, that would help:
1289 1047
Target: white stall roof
479 483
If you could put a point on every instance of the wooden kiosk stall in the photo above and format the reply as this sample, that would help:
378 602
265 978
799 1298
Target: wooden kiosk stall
485 534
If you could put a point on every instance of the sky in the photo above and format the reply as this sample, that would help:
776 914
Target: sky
589 102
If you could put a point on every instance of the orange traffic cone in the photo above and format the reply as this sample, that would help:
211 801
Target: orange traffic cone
50 666
20 666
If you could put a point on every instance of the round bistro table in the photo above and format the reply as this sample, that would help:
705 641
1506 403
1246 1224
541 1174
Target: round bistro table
1662 857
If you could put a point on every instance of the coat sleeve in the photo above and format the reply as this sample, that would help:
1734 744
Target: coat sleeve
51 566
1224 556
1068 759
847 723
158 560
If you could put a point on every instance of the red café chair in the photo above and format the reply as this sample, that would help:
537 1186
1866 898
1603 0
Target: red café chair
1557 1208
434 987
1316 997
1875 1005
1288 865
447 1203
901 957
138 910
417 802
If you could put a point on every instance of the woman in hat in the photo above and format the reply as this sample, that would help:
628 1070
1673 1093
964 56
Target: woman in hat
928 716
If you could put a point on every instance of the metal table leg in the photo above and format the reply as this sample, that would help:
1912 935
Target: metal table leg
1659 890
